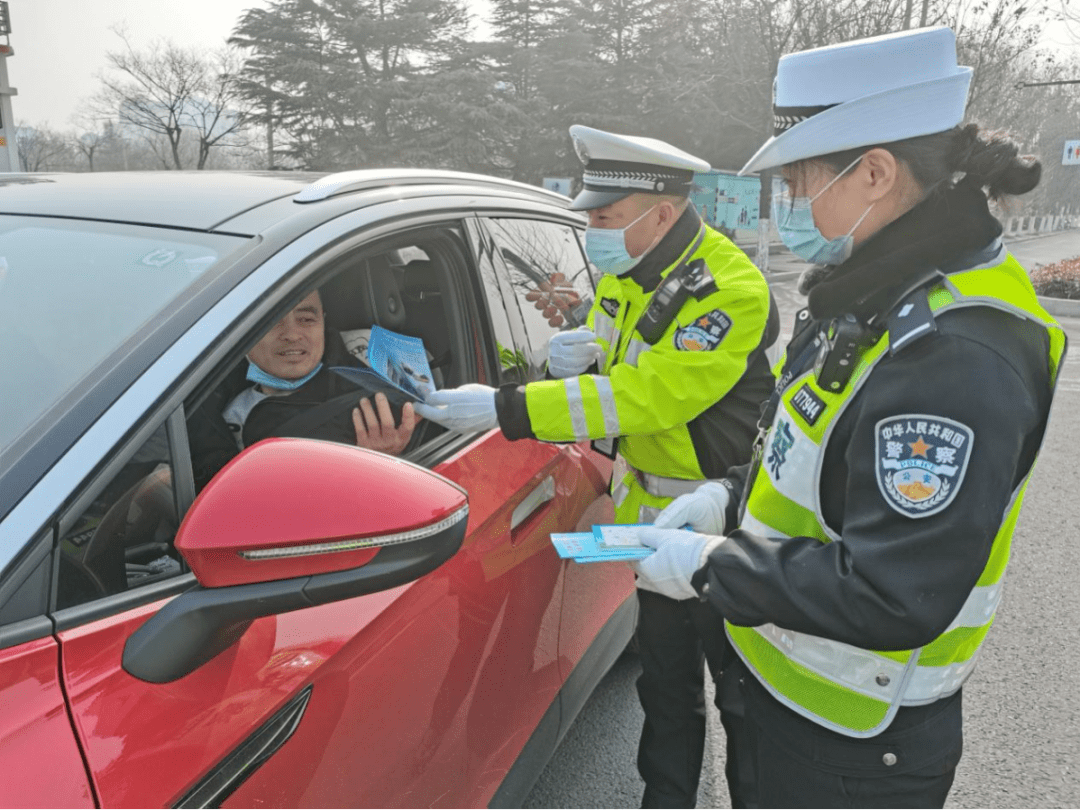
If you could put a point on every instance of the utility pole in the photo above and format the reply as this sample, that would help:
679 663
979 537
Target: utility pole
761 259
9 148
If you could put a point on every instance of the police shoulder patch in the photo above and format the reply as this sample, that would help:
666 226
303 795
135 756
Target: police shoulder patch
704 333
920 461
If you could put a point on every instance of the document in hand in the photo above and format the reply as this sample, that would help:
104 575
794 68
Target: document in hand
397 362
602 544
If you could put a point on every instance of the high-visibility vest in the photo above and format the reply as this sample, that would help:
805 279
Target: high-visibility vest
646 394
848 689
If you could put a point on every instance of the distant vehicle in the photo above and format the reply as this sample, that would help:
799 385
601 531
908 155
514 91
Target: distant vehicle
318 625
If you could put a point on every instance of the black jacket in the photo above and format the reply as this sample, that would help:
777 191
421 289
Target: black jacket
212 440
897 582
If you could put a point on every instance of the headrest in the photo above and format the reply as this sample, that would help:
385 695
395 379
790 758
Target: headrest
364 295
419 276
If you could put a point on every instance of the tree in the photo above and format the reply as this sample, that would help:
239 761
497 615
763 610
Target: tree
168 92
330 74
41 149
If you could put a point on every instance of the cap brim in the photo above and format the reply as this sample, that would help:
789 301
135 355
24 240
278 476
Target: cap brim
904 112
589 198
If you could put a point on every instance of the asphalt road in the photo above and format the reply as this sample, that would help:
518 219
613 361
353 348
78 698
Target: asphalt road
1022 712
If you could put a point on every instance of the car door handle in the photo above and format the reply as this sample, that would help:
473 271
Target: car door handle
533 501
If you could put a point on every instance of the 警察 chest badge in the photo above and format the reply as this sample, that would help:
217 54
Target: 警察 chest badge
921 461
704 333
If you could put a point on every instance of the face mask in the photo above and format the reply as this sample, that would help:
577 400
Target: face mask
606 248
260 377
794 218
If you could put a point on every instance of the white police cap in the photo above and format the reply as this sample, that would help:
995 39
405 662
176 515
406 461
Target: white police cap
617 166
864 92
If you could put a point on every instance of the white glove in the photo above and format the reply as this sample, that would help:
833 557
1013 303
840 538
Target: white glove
702 510
678 555
571 353
470 407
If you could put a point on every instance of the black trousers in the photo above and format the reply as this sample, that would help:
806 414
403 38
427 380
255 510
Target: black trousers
675 638
776 758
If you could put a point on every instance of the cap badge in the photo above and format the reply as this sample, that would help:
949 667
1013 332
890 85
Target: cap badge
581 149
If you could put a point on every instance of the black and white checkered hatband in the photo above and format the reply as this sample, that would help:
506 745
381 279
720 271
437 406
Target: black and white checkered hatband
648 178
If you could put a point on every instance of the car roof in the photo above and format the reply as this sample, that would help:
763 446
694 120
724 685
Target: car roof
207 200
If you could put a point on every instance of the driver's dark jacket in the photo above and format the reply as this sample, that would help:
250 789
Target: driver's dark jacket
213 443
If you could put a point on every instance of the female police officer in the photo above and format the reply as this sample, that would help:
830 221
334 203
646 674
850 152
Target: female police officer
867 544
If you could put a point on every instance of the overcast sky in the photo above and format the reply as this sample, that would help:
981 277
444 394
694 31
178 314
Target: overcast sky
60 45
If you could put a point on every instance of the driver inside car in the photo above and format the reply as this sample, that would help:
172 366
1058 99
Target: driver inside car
295 393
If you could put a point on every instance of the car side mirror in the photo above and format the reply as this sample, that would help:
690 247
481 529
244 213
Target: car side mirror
292 523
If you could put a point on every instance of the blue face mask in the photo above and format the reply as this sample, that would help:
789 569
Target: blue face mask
794 218
606 248
260 377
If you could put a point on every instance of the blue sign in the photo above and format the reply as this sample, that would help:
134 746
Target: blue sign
726 199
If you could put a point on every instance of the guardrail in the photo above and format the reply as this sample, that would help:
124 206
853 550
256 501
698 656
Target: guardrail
1047 223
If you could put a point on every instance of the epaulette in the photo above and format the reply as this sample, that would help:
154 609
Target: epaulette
910 320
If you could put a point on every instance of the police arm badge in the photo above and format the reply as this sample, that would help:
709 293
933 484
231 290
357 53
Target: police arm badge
704 333
920 462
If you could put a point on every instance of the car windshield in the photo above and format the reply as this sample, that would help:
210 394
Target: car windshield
71 292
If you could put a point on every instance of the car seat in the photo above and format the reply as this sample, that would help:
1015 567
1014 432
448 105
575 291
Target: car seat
426 312
364 295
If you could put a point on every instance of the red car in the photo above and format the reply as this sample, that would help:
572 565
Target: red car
318 625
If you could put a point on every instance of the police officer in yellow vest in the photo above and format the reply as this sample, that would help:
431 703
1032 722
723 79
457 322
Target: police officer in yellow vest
866 546
671 368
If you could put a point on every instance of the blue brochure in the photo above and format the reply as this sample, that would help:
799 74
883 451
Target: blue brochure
582 547
396 363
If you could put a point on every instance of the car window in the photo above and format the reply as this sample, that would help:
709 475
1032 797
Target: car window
507 328
408 288
72 292
549 277
124 537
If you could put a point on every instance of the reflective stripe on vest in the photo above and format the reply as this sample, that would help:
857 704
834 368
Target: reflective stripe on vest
602 393
634 350
848 689
604 327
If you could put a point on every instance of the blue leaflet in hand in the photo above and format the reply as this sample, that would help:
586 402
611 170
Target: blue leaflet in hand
582 547
401 360
398 367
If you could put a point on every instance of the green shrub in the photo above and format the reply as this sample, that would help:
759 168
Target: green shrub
1058 280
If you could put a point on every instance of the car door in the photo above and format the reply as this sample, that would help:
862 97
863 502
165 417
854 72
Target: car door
39 755
423 694
533 251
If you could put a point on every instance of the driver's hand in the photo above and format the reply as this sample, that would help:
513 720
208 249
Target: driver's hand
375 429
555 297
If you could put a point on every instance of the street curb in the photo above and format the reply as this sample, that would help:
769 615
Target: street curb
1064 307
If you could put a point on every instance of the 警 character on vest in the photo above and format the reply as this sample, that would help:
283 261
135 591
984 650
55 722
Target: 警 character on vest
670 368
874 525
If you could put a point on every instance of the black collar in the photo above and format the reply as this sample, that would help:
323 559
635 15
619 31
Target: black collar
649 271
934 235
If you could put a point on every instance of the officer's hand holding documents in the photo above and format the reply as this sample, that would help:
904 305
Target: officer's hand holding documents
664 559
702 510
678 555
